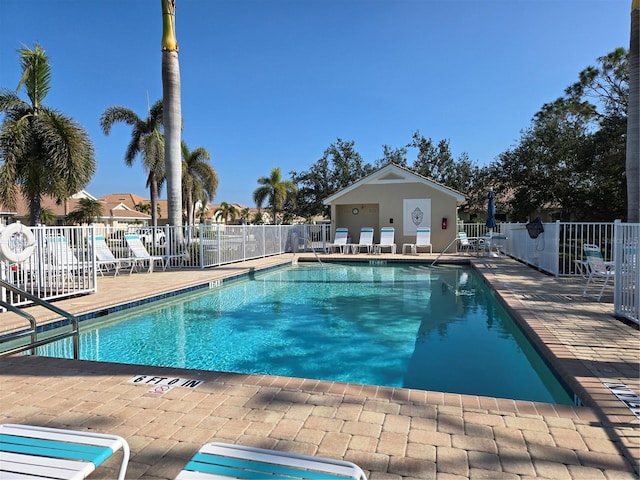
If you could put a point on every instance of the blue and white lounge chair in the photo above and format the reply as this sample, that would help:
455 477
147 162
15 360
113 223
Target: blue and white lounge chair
387 235
223 460
340 240
366 239
106 261
139 252
38 452
597 268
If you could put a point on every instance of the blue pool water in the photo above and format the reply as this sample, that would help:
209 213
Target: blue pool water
398 325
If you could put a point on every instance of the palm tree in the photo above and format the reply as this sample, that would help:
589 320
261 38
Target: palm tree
275 190
146 140
88 210
202 213
47 216
633 119
226 212
245 214
172 112
199 179
43 152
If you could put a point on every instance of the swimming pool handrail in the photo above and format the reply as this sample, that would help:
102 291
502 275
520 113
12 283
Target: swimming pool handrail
445 249
33 324
307 240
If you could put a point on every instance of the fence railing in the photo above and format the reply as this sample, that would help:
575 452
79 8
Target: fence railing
626 298
63 263
60 266
558 251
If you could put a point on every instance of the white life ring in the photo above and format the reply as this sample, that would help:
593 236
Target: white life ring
17 242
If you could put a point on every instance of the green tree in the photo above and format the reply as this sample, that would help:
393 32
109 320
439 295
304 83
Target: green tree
88 211
340 166
143 207
572 155
202 213
275 190
633 122
146 140
392 155
245 215
43 151
47 216
199 179
226 212
172 112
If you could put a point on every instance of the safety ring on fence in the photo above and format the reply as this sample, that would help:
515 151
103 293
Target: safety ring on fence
17 242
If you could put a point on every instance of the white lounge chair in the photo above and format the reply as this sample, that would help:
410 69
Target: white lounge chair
141 254
465 244
62 264
366 240
106 261
387 235
423 240
597 268
223 460
38 452
340 240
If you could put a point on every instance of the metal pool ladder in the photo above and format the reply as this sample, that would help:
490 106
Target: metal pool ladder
32 330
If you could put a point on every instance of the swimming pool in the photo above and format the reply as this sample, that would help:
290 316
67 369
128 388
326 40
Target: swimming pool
398 325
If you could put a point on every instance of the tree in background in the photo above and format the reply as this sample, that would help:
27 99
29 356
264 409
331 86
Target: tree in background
199 180
87 212
47 216
226 212
275 191
633 122
245 215
572 155
340 166
172 117
202 213
392 155
146 140
43 152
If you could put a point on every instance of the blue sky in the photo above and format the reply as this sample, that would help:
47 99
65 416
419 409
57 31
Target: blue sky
273 83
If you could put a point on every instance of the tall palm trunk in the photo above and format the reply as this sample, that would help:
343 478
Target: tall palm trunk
633 119
172 113
153 191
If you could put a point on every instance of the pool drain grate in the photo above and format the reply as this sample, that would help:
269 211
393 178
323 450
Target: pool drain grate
626 395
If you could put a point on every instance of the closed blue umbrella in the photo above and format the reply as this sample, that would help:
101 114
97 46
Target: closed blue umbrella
491 211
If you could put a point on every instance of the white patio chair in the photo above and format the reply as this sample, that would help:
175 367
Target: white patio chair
225 460
598 268
423 239
387 235
366 240
28 451
141 254
106 261
340 240
466 244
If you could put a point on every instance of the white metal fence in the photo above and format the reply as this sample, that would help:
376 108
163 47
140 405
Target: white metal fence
626 300
558 251
61 265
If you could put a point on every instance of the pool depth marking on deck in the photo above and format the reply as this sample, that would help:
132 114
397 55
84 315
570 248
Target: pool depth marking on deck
161 385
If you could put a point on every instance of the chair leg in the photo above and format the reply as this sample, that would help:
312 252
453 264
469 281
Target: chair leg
604 284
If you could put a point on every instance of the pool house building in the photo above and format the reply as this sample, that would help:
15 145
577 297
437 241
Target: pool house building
394 196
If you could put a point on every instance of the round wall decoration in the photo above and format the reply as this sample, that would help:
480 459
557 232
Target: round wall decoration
355 211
